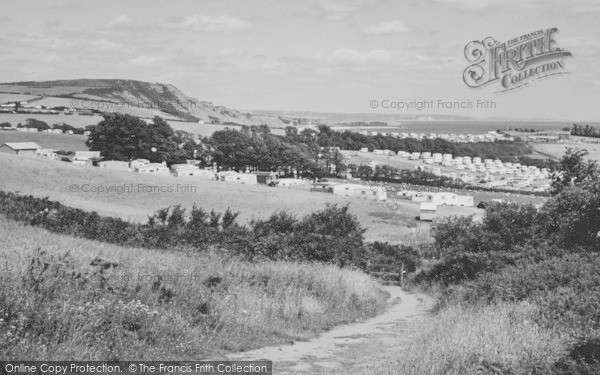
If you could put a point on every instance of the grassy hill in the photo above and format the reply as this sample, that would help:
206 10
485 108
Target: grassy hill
143 99
66 142
141 195
171 305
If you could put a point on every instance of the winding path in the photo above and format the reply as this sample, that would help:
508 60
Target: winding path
354 348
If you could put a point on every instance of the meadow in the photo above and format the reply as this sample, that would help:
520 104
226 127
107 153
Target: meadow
69 298
66 142
78 121
557 150
488 339
135 197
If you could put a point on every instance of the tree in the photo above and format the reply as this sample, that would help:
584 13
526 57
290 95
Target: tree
37 124
125 137
574 170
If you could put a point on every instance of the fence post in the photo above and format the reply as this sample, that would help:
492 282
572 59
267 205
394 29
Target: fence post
402 275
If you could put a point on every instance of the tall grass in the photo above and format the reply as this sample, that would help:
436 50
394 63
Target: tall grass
488 339
69 298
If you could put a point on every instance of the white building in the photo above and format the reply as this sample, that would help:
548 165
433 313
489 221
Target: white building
444 199
155 168
374 193
114 165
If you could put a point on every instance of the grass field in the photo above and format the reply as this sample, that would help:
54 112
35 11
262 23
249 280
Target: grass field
359 158
150 305
73 142
73 120
15 97
141 195
557 150
493 339
77 121
206 130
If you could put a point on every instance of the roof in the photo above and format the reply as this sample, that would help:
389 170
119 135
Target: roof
113 162
87 154
262 173
184 166
23 145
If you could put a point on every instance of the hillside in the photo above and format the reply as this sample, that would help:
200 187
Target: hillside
141 195
143 99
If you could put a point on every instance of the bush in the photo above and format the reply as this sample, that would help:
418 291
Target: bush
331 235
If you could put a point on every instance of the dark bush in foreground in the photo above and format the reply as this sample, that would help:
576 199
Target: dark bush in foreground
331 235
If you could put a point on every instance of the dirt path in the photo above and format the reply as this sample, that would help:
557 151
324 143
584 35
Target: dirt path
355 348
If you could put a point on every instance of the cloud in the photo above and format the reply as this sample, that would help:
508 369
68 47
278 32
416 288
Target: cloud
341 10
146 60
211 24
581 45
559 6
106 44
121 21
354 57
386 28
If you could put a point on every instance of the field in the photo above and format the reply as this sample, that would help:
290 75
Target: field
135 196
77 121
557 150
170 305
403 163
40 89
73 120
480 340
451 127
66 142
15 97
204 130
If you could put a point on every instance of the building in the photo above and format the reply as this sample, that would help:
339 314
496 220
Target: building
240 178
21 148
187 170
138 163
86 157
182 170
287 182
427 211
156 168
47 153
265 178
444 199
374 193
114 165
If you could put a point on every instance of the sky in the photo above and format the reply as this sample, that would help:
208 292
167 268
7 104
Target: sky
355 56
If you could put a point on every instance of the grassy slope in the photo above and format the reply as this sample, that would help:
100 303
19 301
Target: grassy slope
480 340
77 121
558 150
206 305
73 142
41 178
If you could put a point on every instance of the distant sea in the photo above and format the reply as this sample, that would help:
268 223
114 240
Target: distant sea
466 127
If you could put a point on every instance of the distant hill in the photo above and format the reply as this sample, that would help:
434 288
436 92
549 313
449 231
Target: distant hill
143 99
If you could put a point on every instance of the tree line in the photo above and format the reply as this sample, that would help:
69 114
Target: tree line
585 130
307 153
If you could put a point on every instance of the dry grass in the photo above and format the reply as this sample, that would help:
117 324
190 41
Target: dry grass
66 142
53 179
202 305
491 339
73 120
558 150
